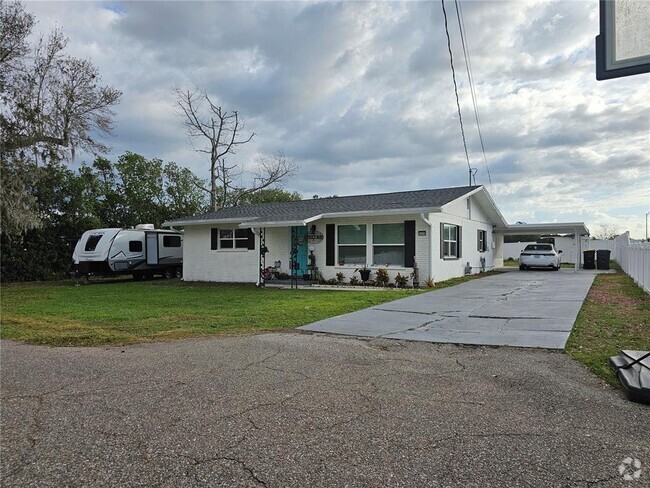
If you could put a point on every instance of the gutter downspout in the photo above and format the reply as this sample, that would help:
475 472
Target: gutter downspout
430 246
256 231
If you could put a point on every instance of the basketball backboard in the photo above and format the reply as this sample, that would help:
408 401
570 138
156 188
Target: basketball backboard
623 46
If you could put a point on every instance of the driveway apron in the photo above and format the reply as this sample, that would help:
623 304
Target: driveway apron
524 309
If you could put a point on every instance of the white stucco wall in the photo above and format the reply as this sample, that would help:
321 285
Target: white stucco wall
459 213
200 263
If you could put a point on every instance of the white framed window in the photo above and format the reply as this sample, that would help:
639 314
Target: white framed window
482 240
351 244
450 241
233 238
388 244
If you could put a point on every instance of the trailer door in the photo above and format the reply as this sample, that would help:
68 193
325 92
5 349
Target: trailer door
152 248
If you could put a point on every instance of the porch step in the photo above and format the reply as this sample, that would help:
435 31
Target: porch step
635 379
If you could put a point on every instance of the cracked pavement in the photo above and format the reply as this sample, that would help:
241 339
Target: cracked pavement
301 410
522 309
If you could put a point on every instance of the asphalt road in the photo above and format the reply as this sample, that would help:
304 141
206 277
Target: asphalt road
310 410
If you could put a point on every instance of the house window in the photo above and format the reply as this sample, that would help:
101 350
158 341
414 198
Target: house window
351 244
135 246
388 244
171 241
482 241
233 238
450 241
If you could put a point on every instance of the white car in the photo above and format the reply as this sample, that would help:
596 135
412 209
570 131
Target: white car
539 256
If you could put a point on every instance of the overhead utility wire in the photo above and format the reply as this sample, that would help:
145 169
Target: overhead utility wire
470 77
453 75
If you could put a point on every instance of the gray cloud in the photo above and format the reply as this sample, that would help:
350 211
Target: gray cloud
360 95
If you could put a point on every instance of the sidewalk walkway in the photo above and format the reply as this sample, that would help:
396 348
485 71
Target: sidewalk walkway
524 309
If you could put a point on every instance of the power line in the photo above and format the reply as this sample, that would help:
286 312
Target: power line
453 75
470 77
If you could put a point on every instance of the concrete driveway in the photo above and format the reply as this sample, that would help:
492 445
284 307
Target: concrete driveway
297 410
525 309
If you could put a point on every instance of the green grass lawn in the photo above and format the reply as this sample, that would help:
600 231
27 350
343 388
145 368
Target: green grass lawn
123 311
614 316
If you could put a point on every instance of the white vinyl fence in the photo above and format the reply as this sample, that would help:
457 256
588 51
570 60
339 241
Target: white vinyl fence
634 258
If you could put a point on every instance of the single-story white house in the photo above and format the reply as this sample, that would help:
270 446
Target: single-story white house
447 232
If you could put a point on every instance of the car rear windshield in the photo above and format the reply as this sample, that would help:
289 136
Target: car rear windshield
539 247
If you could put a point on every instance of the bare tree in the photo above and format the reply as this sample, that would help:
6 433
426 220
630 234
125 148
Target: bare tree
220 133
607 232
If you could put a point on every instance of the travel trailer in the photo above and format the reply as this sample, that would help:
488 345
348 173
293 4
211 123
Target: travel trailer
141 251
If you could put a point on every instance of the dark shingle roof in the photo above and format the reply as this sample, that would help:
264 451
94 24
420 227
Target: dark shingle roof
305 209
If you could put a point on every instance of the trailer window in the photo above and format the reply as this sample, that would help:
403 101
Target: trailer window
135 246
92 241
171 241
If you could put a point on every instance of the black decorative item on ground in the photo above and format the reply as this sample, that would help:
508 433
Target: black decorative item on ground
633 370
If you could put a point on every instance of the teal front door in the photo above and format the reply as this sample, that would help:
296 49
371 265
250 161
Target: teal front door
299 242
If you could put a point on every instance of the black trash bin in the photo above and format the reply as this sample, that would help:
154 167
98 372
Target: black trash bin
589 259
602 258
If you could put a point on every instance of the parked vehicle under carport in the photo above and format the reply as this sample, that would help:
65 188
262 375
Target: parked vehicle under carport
539 255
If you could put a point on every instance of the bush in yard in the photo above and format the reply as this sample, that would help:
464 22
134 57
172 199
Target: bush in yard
354 281
401 281
340 277
382 277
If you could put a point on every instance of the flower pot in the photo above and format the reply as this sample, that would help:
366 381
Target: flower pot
365 274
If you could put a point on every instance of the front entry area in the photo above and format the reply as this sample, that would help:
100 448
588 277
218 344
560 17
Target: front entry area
299 248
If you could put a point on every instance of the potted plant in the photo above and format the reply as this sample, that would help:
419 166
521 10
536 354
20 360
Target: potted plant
364 272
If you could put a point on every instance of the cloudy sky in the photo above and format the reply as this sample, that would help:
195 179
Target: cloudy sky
360 95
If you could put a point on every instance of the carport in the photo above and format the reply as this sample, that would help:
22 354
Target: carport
578 229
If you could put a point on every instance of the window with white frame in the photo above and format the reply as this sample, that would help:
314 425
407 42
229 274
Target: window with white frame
482 240
351 243
388 244
450 241
233 238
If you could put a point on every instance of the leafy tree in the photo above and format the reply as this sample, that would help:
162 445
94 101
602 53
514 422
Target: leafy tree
270 195
52 103
219 133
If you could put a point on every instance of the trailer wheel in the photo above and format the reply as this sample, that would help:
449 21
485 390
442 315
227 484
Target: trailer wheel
138 276
148 276
179 273
168 274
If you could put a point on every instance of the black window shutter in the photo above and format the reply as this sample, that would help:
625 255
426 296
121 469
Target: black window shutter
251 240
409 243
460 242
478 241
329 244
214 238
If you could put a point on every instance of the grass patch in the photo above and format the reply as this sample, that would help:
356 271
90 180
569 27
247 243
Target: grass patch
125 312
118 312
613 317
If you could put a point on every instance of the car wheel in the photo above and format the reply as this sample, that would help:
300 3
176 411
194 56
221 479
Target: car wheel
522 267
556 268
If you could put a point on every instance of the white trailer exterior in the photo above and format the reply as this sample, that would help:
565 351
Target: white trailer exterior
142 252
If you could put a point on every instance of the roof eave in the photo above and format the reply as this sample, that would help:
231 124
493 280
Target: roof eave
185 223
